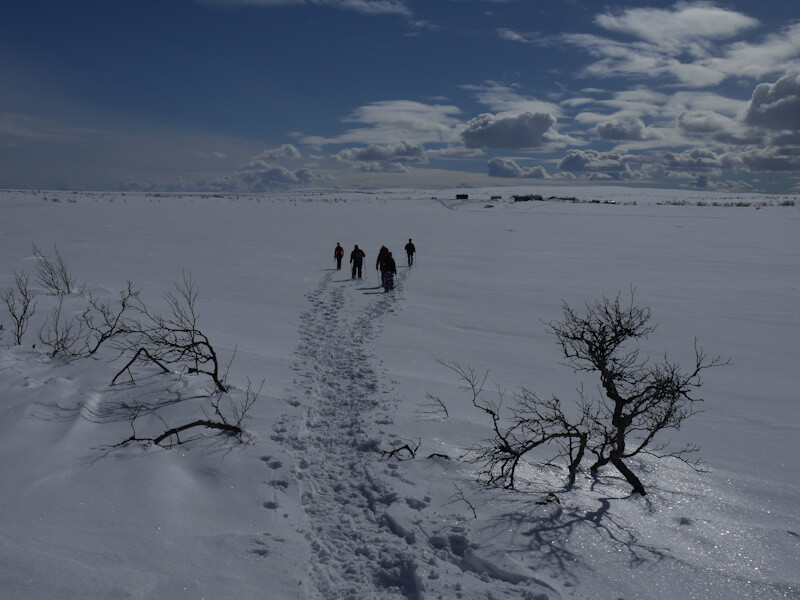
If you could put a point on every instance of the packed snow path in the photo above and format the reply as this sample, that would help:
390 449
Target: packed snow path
337 383
372 534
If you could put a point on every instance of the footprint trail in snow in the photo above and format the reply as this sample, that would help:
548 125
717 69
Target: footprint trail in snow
337 384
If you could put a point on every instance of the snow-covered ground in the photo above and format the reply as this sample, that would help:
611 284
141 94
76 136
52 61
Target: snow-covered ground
310 507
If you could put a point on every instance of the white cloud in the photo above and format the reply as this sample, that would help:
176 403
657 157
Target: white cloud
713 126
704 121
695 160
684 101
456 151
367 7
625 130
505 167
501 98
690 43
286 151
776 106
381 167
602 165
769 159
528 130
512 36
684 28
388 121
534 38
403 152
258 175
778 53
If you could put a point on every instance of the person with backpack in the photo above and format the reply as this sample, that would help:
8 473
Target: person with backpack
379 262
357 260
389 271
410 251
338 254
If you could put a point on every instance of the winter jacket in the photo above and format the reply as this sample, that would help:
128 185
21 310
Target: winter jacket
357 256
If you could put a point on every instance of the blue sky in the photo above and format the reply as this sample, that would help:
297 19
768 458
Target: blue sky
251 95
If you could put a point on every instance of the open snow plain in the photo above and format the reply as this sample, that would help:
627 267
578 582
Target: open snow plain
310 507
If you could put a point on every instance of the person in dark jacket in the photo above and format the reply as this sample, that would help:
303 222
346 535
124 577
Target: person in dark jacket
410 251
357 260
338 254
389 271
379 262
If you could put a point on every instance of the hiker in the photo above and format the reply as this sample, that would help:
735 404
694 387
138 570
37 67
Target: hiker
389 271
338 254
357 260
379 262
410 251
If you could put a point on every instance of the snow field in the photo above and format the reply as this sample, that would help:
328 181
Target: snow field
310 508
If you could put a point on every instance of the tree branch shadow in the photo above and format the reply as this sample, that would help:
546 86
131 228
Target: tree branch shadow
114 404
551 533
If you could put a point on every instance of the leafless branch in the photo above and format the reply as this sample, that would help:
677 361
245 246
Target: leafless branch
229 421
53 273
63 336
105 322
458 496
398 452
21 305
434 407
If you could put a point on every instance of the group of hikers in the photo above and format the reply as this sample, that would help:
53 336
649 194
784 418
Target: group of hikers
385 262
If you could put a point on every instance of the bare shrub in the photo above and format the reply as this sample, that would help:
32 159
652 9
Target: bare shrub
640 400
104 322
63 336
176 338
531 423
21 305
52 273
228 417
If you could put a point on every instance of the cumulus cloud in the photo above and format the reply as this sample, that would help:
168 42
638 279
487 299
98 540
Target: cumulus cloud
591 160
285 151
769 159
625 130
528 130
704 121
258 175
776 106
594 164
694 160
505 167
403 152
739 138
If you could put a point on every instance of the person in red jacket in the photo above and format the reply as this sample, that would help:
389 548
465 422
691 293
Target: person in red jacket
338 254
